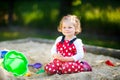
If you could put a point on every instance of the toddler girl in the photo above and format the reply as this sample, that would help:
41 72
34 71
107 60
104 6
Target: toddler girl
67 50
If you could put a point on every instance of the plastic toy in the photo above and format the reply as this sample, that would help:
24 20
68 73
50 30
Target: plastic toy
16 63
28 74
109 63
36 65
2 53
40 71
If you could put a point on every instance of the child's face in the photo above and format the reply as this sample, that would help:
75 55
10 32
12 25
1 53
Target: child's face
68 28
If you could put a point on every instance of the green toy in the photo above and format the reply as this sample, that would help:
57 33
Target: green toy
16 63
40 71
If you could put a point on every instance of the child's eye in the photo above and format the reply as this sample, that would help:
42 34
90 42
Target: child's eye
69 27
64 27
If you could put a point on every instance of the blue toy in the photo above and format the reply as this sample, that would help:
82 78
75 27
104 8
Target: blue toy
2 53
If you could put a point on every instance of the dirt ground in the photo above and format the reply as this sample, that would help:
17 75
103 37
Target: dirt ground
39 51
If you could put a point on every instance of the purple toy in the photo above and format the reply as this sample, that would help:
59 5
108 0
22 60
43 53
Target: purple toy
36 65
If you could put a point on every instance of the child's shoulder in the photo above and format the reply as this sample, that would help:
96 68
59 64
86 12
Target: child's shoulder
78 41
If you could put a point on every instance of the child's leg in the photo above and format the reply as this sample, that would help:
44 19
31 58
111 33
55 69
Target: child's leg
71 67
53 67
50 68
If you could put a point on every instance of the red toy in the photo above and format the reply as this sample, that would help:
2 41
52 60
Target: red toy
109 63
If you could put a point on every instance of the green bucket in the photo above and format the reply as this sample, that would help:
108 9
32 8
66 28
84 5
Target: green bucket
16 63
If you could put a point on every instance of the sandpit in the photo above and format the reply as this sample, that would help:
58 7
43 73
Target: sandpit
38 50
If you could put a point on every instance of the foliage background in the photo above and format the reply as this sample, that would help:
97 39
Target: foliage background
100 19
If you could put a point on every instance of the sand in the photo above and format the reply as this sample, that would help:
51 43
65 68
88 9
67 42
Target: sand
38 50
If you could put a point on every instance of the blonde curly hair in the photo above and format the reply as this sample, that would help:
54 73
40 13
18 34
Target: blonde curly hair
73 19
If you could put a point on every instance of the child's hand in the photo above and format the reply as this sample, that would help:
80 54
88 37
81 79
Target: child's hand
58 56
61 58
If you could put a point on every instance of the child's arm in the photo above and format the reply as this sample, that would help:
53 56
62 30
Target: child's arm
61 58
79 47
53 49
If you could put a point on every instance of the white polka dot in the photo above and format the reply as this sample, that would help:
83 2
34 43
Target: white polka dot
64 47
53 69
49 69
69 53
69 70
73 47
65 63
61 49
53 65
82 69
78 66
46 67
70 49
73 63
76 69
63 67
73 67
58 64
66 50
67 66
81 63
60 68
70 63
67 44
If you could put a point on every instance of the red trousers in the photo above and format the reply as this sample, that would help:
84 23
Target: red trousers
60 67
